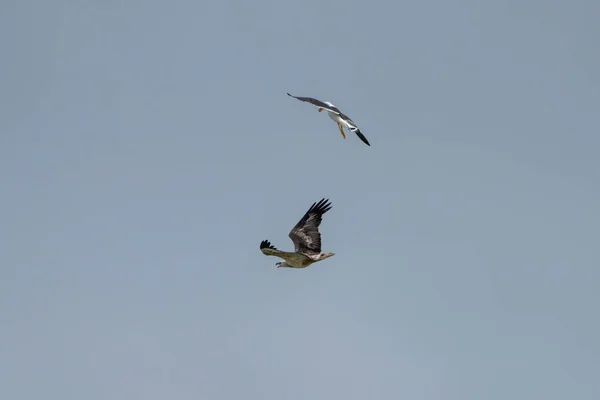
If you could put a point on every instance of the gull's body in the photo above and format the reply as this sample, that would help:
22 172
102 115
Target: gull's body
335 114
306 238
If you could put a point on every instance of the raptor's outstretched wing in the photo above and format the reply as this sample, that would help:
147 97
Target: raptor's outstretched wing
268 249
305 235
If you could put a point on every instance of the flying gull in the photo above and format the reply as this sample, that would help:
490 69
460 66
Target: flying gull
336 115
306 238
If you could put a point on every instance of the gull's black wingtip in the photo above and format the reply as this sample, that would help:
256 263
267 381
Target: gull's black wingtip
362 137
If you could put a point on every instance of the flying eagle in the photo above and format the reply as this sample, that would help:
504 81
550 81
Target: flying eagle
306 238
336 115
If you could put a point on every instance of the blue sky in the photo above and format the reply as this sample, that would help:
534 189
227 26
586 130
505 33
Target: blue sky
148 147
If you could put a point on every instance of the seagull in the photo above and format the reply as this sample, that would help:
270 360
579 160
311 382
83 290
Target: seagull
336 115
306 238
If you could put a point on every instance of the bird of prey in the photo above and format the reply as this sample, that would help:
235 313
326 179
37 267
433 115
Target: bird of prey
336 115
306 238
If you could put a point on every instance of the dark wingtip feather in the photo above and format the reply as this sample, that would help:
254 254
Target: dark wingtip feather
362 137
322 206
265 244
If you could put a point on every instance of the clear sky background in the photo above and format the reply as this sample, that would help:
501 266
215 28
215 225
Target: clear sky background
147 147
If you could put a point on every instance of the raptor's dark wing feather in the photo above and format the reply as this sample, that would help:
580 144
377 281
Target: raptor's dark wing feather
268 249
305 234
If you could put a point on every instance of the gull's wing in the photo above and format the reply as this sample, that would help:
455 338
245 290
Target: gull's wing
268 249
305 235
317 103
352 126
361 136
